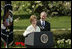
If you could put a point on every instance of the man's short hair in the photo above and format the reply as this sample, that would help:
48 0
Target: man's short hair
43 12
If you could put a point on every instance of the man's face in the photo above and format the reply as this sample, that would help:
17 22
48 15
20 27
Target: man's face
43 16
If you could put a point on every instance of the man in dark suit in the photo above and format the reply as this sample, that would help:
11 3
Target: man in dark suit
42 23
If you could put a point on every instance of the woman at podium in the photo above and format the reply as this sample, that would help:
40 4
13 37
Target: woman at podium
33 27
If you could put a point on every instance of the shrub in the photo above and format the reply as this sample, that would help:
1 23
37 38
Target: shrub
57 34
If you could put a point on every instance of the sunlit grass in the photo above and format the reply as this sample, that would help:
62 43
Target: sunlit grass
56 23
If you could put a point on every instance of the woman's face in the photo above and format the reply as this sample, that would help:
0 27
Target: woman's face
34 21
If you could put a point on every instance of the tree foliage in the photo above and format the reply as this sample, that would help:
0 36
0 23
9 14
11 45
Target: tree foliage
52 8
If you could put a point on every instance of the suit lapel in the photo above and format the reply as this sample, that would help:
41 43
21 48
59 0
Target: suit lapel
40 23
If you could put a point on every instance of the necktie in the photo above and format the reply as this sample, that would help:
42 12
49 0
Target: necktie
43 23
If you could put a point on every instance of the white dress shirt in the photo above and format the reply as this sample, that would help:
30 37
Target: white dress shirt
42 21
31 29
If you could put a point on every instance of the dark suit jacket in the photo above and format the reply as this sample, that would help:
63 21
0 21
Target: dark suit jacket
46 27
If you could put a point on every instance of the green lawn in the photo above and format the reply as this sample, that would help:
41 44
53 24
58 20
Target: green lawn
56 23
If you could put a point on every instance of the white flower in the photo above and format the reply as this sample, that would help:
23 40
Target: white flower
69 39
66 41
33 6
58 41
62 41
69 42
23 5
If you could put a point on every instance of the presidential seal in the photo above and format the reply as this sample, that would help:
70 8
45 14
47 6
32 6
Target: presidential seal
44 38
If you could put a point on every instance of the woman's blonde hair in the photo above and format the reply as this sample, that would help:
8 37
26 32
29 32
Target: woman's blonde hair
32 17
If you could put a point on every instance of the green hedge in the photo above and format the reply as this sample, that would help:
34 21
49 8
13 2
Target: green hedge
18 37
57 34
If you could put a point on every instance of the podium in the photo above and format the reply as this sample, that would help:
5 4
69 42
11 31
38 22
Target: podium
39 39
